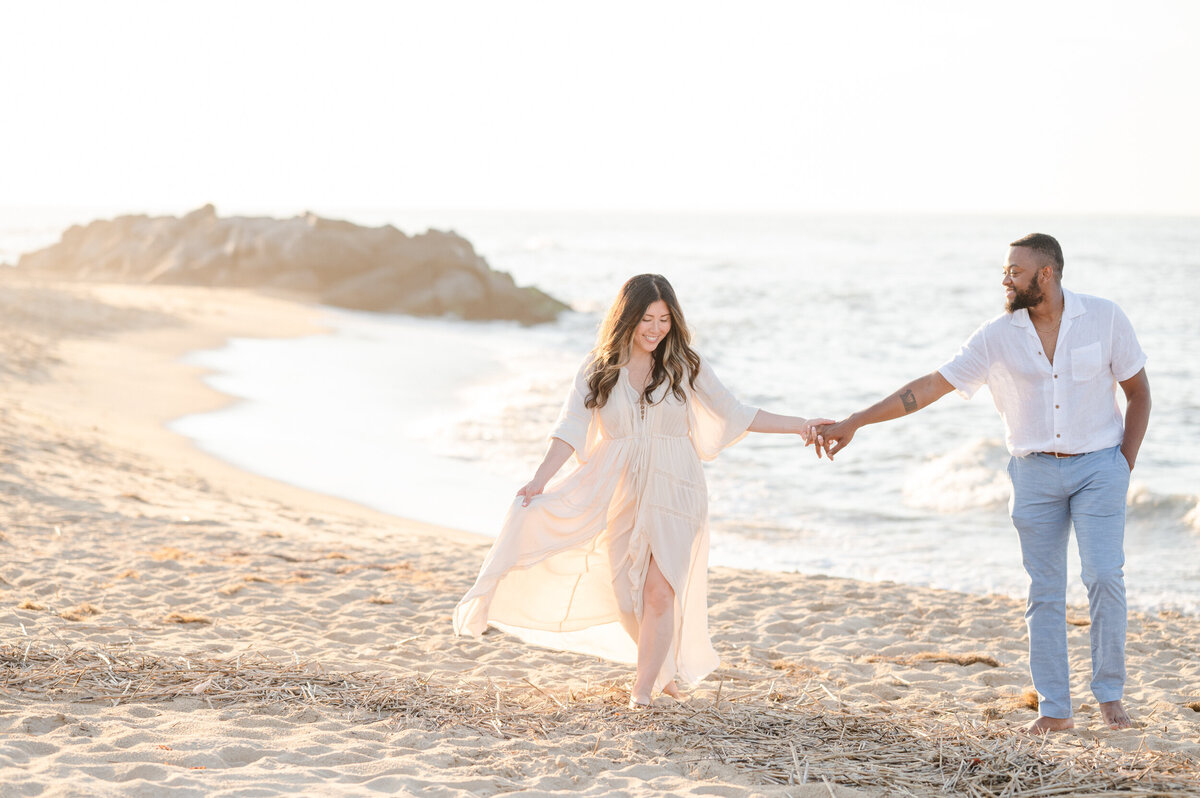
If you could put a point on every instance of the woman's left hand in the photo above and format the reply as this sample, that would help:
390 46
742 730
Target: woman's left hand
807 430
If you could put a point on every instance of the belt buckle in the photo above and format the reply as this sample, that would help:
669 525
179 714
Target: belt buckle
1061 456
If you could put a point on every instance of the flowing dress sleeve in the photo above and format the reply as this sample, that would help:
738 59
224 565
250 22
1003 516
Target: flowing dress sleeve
576 424
716 418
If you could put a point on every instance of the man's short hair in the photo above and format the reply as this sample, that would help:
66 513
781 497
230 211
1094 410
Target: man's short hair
1044 245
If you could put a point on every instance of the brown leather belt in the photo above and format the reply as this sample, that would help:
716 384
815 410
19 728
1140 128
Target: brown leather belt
1060 455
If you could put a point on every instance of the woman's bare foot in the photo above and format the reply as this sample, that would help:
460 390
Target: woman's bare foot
1115 715
1044 725
640 701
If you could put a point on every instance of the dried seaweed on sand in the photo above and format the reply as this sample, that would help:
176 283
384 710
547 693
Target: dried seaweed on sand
774 733
940 656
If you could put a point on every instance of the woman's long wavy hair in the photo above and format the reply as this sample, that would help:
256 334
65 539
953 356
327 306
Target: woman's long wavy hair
674 358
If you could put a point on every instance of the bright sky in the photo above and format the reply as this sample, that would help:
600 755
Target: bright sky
875 105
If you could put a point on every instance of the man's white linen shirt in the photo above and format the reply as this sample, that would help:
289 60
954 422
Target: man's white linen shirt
1069 406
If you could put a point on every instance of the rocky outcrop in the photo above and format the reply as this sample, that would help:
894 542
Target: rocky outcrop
334 262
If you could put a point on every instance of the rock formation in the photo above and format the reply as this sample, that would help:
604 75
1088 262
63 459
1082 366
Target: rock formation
334 262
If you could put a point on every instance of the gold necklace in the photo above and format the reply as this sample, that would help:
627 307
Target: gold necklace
1056 324
1055 327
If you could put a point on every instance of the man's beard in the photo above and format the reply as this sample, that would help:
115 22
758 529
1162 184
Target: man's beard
1028 298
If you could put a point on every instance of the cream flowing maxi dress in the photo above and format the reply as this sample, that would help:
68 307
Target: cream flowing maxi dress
567 571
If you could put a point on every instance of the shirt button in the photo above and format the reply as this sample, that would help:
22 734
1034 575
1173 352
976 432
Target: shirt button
1056 376
1058 436
1056 407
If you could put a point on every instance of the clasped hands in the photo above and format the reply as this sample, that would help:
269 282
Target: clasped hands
831 437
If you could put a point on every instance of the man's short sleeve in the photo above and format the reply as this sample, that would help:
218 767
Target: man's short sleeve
968 370
1127 355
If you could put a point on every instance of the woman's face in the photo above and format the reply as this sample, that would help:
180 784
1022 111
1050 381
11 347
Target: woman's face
654 326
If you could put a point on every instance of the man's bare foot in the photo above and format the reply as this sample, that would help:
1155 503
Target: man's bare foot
1044 725
672 689
1115 715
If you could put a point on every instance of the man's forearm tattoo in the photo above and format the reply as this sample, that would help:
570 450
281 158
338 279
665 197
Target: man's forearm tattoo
910 401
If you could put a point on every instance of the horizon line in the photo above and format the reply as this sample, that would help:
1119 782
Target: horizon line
333 208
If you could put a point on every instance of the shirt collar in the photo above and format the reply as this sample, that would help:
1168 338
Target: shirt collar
1072 307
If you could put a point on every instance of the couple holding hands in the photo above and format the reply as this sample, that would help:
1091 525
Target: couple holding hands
610 557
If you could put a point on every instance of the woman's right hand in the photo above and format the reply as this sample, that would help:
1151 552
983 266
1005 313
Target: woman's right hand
556 455
532 488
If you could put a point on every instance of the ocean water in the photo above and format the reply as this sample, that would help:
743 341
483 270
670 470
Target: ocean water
814 315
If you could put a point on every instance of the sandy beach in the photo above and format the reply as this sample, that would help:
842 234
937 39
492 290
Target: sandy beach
173 625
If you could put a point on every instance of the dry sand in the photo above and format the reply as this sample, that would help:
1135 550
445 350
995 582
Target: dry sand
175 626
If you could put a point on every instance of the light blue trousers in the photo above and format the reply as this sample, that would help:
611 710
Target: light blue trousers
1049 495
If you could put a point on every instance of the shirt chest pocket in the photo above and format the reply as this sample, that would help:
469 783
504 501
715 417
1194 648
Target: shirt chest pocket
1086 362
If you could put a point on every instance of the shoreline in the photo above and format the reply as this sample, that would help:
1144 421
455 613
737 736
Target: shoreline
121 537
377 397
168 388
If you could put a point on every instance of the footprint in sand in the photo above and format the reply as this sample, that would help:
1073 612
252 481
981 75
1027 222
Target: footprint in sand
238 755
32 748
45 724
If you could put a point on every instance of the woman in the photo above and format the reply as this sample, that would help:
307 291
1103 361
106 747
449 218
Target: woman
611 559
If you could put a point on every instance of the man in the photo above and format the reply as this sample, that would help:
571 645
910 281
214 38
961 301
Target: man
1052 363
